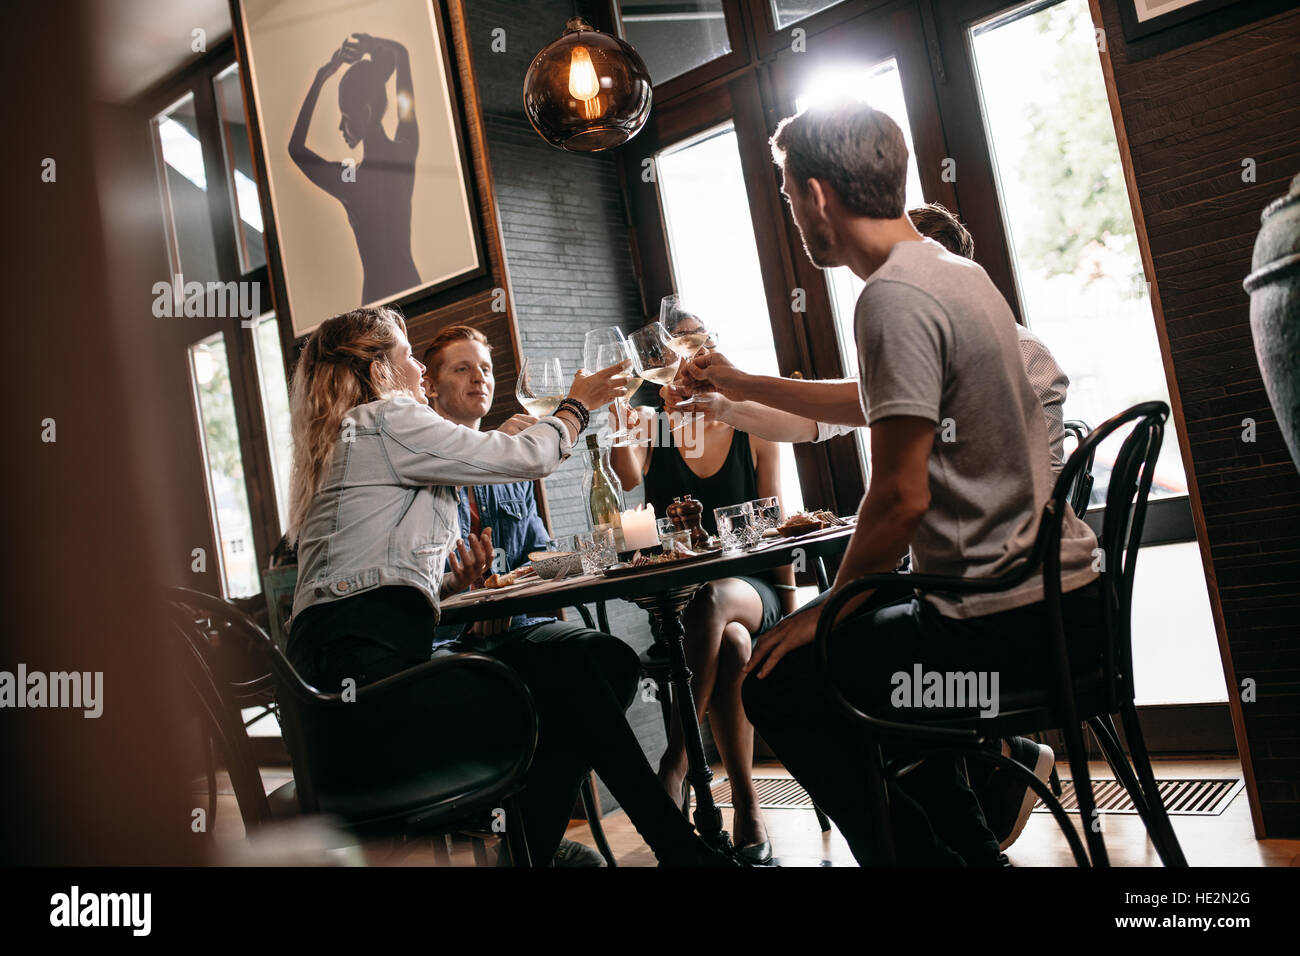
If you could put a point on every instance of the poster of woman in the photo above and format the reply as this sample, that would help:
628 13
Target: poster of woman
361 152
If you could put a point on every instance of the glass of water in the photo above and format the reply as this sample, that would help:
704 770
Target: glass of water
596 549
737 526
670 533
767 512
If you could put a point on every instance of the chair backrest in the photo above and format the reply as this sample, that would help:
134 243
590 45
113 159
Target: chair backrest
1081 490
202 625
463 718
1122 523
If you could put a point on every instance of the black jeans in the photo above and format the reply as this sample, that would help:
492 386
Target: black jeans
582 682
936 818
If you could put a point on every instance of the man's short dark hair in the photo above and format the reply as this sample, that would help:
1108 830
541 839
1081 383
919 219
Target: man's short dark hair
856 150
935 222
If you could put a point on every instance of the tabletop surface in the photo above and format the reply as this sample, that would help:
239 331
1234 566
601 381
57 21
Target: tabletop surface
545 596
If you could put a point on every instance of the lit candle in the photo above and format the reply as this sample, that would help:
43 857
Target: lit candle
639 530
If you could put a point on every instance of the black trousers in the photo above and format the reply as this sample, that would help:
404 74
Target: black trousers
582 683
936 818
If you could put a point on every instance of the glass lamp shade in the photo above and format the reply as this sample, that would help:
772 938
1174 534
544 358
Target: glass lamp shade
587 91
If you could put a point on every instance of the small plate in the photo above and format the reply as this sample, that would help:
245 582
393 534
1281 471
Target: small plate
619 570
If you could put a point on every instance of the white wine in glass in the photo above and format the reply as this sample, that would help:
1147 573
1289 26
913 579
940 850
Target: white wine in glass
653 355
540 386
661 375
687 333
602 348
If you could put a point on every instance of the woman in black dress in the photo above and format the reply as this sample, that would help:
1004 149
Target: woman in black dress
717 465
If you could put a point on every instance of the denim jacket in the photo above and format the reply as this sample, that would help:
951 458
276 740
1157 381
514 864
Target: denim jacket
385 513
517 529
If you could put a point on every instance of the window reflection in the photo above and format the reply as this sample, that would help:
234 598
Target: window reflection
184 183
786 12
673 36
239 169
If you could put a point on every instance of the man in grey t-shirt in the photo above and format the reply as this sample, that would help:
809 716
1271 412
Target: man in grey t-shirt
959 478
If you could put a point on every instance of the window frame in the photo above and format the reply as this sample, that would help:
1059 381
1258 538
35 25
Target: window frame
198 80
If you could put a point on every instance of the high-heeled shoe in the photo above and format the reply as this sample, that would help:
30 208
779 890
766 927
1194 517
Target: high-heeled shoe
757 854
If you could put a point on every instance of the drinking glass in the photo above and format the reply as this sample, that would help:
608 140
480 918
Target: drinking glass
687 333
669 533
653 355
737 526
606 547
596 549
540 385
602 348
767 512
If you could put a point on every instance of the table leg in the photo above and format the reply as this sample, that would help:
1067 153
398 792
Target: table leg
666 609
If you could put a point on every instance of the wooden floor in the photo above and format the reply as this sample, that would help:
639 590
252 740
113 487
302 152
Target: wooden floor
1225 840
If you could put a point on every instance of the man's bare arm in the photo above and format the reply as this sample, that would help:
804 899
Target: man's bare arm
895 502
835 402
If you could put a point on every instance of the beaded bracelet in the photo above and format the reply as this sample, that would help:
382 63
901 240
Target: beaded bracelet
579 410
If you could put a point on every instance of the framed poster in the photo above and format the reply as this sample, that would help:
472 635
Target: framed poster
1157 26
361 151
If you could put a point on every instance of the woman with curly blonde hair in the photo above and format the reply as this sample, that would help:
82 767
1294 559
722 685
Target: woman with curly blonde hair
373 513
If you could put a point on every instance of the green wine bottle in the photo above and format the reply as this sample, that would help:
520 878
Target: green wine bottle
604 492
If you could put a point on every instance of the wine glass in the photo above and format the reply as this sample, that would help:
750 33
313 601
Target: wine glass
540 385
600 349
652 357
687 333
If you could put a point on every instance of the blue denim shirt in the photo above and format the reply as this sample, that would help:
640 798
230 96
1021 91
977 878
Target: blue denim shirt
517 529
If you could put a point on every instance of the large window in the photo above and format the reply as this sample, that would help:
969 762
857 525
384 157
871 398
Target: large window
274 391
1066 212
881 86
227 495
1076 266
714 259
235 363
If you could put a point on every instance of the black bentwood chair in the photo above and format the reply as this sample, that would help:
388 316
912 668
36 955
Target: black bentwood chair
1081 486
1072 696
356 758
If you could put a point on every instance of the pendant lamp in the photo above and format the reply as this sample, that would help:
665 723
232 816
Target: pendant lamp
587 91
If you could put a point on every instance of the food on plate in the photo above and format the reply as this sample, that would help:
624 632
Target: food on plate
805 521
513 577
677 552
800 523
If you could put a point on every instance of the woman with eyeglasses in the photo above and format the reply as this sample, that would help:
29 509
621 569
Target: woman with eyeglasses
717 465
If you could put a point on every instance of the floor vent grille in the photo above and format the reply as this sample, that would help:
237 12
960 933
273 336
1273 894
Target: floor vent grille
774 793
1183 797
